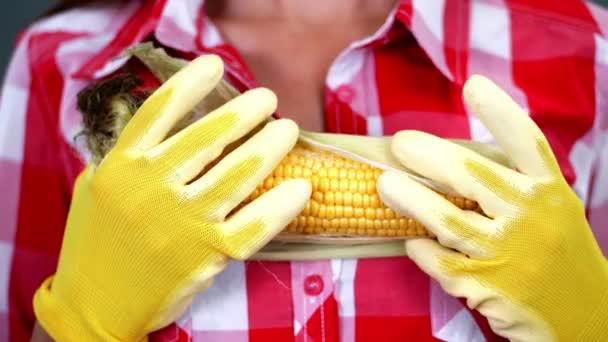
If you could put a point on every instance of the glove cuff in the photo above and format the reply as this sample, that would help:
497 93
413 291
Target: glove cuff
64 320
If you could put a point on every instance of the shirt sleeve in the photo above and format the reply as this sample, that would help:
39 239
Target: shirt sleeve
37 171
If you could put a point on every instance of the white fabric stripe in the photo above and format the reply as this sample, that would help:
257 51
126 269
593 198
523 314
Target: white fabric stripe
431 12
586 151
494 39
444 308
111 66
490 55
227 297
297 326
6 252
461 328
375 126
350 61
13 106
598 206
211 35
345 67
582 157
118 23
490 29
90 19
12 122
600 14
601 58
427 26
600 192
345 285
180 14
183 13
344 271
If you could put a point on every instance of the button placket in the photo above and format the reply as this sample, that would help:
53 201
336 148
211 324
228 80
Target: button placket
312 286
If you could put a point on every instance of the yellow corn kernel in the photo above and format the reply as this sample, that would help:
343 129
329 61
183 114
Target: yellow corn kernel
348 199
318 196
366 201
379 213
314 208
306 210
370 213
338 198
344 200
330 212
374 201
329 198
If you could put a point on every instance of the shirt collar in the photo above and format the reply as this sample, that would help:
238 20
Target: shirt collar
184 26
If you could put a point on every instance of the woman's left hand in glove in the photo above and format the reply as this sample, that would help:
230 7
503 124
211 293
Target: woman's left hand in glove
531 264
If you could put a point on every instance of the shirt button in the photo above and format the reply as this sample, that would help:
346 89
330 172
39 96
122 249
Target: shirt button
313 285
345 93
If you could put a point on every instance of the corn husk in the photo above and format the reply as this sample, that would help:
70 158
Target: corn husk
374 151
276 251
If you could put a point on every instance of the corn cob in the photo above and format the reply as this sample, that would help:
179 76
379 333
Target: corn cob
344 200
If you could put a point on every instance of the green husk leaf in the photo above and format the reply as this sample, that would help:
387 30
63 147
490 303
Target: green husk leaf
157 60
376 151
164 66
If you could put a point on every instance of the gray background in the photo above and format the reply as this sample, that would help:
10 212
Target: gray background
17 16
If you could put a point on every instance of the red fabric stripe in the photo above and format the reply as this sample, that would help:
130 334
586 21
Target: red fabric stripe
149 82
372 329
45 189
483 325
572 12
269 299
557 74
271 334
456 37
397 312
414 94
200 28
323 324
235 67
173 333
404 12
340 117
142 23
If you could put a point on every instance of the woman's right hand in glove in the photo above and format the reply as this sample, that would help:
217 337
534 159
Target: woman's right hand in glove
145 234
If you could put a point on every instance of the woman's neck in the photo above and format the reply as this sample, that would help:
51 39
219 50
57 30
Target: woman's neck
300 13
290 44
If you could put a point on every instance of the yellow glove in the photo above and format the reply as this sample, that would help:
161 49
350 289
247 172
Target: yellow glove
144 234
533 267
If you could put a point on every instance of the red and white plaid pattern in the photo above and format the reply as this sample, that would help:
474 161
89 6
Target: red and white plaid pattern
551 56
